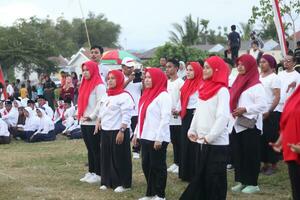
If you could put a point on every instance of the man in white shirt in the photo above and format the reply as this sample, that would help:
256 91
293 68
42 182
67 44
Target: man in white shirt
9 89
174 85
133 85
10 114
42 102
96 55
4 133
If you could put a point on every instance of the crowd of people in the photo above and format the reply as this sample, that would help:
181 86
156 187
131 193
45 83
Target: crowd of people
217 113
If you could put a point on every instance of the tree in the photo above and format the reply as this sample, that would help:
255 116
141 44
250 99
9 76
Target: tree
247 28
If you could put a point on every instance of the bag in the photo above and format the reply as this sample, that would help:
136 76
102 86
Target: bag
246 122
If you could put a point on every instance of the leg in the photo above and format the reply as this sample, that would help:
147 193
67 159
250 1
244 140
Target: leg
85 135
146 147
294 173
175 134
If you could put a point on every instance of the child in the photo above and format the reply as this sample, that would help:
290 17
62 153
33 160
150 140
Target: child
23 91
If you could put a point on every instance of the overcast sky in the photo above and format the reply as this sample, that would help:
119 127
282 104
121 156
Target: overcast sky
145 23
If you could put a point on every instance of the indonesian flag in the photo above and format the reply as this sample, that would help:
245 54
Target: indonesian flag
279 27
3 83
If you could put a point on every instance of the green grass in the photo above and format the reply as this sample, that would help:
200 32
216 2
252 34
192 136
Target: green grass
51 171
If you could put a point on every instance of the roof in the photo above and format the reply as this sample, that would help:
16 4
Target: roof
59 60
147 54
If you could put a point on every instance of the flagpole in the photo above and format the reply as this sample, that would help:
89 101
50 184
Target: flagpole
84 21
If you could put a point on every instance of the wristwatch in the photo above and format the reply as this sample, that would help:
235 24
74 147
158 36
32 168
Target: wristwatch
122 130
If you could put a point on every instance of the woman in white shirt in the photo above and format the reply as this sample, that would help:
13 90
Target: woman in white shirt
153 130
271 116
4 133
247 104
209 130
189 98
91 91
114 121
46 128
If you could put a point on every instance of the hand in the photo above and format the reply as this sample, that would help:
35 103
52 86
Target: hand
157 145
295 147
86 119
134 140
120 138
291 86
266 115
97 128
239 112
203 138
193 137
276 146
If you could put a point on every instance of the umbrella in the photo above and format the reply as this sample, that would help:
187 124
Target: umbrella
116 57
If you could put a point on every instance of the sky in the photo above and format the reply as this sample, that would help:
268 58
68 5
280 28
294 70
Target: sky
145 23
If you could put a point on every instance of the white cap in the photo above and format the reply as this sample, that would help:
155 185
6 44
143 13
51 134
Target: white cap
129 62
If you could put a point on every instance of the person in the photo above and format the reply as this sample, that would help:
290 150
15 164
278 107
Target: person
154 109
91 91
2 92
67 91
134 87
29 89
271 116
96 55
75 83
114 121
59 117
289 140
49 87
209 130
31 104
186 107
39 89
9 89
182 70
17 86
4 133
10 114
289 79
63 76
21 121
290 51
174 85
234 43
43 103
45 130
23 91
247 103
255 51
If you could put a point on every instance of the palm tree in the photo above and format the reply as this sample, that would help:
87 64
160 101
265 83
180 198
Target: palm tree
247 28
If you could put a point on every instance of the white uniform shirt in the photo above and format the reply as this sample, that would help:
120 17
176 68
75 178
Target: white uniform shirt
48 111
270 82
135 89
174 91
116 110
212 117
3 128
11 117
192 103
10 90
157 120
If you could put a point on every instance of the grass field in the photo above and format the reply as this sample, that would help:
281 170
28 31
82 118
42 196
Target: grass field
51 171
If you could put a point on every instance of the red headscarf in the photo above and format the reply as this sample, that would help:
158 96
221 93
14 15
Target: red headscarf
218 80
290 126
243 82
159 85
87 86
190 86
119 83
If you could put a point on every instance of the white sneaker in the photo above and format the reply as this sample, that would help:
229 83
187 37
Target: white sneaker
86 176
146 198
121 189
103 187
135 155
176 170
158 198
172 167
93 179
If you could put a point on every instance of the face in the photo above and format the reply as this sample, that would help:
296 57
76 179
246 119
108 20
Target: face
8 106
41 102
264 65
95 55
171 70
148 80
241 68
21 111
207 71
111 81
86 73
190 74
127 70
39 113
16 105
163 61
181 66
254 46
31 105
288 62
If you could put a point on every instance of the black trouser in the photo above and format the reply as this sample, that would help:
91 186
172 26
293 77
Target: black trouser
270 134
246 156
234 53
175 139
92 143
116 166
4 139
210 182
134 121
294 173
154 167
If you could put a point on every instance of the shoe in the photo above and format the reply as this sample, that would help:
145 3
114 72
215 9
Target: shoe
86 176
146 198
172 167
263 169
250 189
158 198
135 155
238 188
121 189
229 167
93 179
176 170
103 187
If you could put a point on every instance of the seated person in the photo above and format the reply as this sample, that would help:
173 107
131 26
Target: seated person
29 128
4 133
10 114
66 118
21 121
